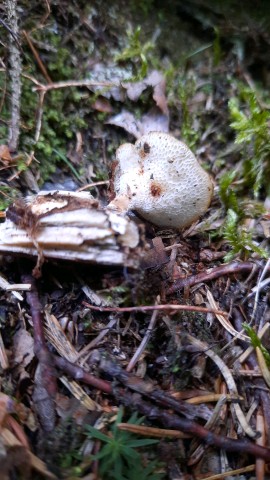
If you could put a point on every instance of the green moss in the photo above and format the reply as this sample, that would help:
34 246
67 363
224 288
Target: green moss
186 90
241 188
136 52
7 195
240 239
251 125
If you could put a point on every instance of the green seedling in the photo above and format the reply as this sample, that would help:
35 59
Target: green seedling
256 342
119 458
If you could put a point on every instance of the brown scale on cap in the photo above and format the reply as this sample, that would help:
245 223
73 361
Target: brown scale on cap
161 179
155 189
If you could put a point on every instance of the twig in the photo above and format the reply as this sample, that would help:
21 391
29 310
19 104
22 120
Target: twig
5 285
234 267
166 418
46 386
15 74
93 184
96 340
151 391
144 342
74 83
188 426
37 57
150 308
204 347
78 373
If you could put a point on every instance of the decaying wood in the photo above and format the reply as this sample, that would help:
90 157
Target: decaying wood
70 226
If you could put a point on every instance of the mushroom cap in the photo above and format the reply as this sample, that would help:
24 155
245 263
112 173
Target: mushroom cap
160 178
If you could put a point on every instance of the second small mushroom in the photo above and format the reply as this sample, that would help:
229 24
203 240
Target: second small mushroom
160 178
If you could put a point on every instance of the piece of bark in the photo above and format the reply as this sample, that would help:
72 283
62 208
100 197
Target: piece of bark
70 226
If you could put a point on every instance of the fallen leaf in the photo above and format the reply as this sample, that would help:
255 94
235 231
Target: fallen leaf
102 104
127 121
5 156
152 121
23 345
156 80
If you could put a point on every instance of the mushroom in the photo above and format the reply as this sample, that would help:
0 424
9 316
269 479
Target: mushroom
160 179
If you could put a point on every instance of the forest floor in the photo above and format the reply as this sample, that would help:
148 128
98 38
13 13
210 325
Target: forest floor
160 369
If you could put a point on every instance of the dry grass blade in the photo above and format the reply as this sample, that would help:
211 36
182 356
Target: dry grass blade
3 356
260 463
144 341
79 393
197 448
5 285
249 350
214 397
57 337
95 341
259 287
151 431
225 372
264 368
223 320
238 471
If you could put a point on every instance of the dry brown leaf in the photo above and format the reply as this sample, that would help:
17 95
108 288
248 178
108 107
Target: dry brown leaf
23 345
157 119
152 121
102 104
156 80
5 156
127 121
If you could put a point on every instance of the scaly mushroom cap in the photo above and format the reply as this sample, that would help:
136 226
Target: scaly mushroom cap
160 178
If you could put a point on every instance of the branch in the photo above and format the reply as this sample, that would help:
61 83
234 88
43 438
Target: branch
45 379
14 73
150 308
234 267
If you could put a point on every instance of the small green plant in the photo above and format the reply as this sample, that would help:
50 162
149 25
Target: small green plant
251 125
252 132
186 90
7 195
256 342
118 456
136 52
226 192
217 52
239 239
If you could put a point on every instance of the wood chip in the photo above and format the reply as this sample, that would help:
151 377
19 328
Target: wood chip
69 226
